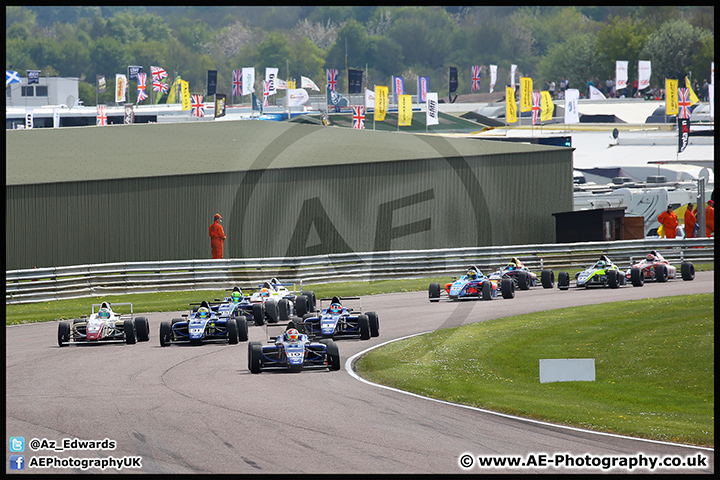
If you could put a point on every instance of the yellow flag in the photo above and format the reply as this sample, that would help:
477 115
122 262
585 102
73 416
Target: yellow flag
547 107
404 110
291 84
185 94
693 98
526 89
381 102
172 94
510 105
671 97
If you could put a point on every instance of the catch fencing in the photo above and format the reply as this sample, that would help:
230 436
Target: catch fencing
55 283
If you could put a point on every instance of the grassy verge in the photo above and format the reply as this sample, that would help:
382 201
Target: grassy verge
654 361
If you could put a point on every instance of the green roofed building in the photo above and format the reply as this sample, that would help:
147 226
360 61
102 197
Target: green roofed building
147 192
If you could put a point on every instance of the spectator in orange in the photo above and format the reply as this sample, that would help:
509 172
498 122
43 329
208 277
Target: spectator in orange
669 221
690 221
710 218
217 237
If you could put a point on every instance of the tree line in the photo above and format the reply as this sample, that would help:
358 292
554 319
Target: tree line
546 43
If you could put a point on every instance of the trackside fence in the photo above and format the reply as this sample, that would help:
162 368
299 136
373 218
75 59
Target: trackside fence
79 281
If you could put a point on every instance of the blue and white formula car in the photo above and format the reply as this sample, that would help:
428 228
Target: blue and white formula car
473 285
279 303
293 351
203 325
338 321
237 304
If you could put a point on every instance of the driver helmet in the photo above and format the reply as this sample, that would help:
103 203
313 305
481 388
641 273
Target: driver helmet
472 274
292 335
600 264
512 266
650 257
236 296
104 313
335 308
265 292
203 312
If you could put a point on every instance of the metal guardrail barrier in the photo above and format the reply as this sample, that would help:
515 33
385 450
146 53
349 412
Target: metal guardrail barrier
55 283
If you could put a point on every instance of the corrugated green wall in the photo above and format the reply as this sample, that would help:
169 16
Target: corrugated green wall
446 201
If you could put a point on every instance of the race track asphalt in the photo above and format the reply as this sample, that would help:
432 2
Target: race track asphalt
197 409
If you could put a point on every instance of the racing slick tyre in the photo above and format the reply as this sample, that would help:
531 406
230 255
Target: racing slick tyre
661 273
312 303
374 324
129 330
563 280
613 279
143 329
637 277
523 281
507 288
165 333
333 355
271 312
687 270
63 333
302 305
283 309
242 326
547 278
486 290
254 357
258 314
364 325
434 292
232 331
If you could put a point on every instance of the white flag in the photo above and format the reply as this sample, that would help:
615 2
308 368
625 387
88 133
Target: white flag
306 82
271 78
56 117
596 94
643 74
431 116
621 74
281 84
248 80
512 75
369 99
571 105
493 77
120 87
296 96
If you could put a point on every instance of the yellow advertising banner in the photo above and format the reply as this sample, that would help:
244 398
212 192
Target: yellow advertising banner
671 97
510 105
404 110
381 102
526 89
185 94
547 107
693 98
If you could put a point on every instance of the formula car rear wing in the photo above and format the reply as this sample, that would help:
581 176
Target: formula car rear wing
340 300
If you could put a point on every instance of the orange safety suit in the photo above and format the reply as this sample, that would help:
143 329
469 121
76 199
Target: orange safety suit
217 238
709 220
690 221
670 221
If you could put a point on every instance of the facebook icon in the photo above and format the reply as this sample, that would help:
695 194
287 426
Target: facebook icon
17 462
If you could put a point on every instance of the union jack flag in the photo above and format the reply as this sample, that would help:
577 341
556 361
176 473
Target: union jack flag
266 93
332 78
159 86
476 78
358 116
102 115
684 103
158 73
237 83
142 80
198 107
535 106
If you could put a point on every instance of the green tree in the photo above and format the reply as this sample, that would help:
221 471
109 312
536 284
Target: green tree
621 39
424 34
670 50
575 59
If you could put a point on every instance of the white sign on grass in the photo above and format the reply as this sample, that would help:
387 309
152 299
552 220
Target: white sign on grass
567 370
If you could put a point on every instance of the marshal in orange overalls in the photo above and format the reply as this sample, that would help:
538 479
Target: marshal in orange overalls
217 237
